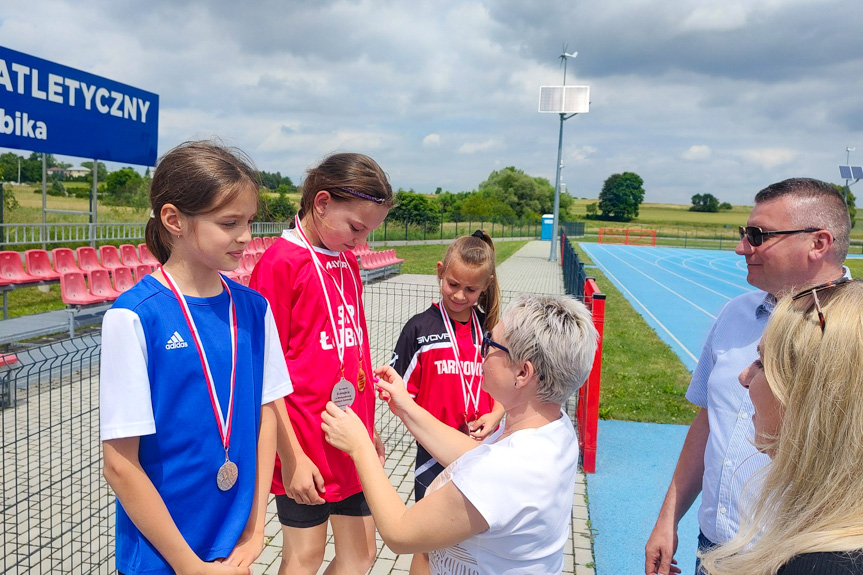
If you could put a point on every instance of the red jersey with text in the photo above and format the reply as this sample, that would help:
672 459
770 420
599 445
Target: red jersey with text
287 277
424 358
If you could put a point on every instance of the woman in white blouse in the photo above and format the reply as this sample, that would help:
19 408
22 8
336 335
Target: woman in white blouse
504 505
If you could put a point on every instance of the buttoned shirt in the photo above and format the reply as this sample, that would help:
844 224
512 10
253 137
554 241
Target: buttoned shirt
730 459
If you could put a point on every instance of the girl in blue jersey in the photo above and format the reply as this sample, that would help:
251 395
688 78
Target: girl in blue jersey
192 379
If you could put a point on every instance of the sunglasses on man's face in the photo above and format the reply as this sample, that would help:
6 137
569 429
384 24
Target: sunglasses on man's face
755 235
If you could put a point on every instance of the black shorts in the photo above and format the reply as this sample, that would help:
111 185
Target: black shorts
425 471
293 514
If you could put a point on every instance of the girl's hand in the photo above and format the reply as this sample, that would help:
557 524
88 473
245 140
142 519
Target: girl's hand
484 425
343 429
303 482
217 567
391 388
248 549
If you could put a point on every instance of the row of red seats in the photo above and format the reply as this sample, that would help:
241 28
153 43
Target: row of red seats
39 266
78 288
42 267
260 244
374 260
362 249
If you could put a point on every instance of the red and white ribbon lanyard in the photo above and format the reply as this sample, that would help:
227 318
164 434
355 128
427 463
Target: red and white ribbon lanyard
470 397
223 422
341 345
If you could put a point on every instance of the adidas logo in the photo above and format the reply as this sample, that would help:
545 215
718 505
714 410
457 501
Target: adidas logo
176 342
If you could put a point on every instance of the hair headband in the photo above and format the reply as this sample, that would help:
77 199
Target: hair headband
478 234
378 201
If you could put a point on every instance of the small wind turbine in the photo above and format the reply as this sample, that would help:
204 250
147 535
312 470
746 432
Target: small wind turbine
564 55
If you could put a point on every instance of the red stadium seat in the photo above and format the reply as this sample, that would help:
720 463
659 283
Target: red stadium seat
88 260
142 270
39 264
12 269
73 290
100 285
110 257
268 241
64 261
248 262
129 256
245 279
123 279
257 245
147 256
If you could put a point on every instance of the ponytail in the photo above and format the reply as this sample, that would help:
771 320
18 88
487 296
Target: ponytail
155 236
477 250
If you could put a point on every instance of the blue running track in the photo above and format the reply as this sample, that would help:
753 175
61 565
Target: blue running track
679 292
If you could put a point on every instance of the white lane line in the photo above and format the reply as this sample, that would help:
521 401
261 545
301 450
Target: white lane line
647 311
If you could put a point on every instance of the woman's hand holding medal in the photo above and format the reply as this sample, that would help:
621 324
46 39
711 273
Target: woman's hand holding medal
343 429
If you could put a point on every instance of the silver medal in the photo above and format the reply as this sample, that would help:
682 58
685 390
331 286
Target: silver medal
227 476
343 394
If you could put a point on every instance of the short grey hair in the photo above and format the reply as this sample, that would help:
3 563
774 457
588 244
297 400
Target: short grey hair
556 334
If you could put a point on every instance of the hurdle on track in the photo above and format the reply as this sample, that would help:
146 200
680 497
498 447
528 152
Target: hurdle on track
627 236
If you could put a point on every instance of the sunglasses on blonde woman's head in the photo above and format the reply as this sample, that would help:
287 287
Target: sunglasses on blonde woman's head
755 235
814 292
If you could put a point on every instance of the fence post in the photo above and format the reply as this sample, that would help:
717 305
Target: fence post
588 395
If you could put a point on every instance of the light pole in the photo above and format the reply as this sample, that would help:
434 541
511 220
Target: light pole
563 117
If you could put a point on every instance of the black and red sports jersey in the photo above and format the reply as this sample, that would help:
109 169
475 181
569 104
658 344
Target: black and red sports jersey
424 358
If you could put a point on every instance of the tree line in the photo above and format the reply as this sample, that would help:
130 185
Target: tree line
506 195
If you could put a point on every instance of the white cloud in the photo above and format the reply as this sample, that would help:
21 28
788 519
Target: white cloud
443 92
769 158
697 153
474 147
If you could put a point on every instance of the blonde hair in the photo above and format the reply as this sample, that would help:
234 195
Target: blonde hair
475 251
810 500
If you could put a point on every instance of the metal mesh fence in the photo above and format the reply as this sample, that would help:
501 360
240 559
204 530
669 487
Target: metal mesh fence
57 510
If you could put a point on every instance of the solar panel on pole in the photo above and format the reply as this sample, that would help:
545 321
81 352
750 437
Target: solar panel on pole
857 172
845 172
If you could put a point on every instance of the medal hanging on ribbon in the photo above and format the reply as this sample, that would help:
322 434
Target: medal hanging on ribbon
339 393
471 397
228 472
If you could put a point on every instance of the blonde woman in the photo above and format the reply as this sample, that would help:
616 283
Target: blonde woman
807 389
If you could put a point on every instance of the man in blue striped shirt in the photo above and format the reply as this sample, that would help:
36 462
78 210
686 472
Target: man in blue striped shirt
797 236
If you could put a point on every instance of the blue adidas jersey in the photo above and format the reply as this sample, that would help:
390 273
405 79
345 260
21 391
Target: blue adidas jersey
152 387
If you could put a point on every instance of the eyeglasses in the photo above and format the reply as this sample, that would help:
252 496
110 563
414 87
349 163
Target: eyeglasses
756 235
488 342
814 291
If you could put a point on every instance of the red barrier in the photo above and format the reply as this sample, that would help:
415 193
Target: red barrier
587 412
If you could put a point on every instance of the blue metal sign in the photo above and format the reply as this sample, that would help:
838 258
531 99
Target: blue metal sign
46 107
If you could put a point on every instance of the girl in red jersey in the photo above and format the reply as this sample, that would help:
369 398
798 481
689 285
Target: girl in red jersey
315 291
438 352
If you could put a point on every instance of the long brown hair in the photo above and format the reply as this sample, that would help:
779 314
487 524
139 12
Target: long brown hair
355 172
197 178
477 250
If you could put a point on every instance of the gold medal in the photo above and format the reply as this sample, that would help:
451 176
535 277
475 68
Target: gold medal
361 379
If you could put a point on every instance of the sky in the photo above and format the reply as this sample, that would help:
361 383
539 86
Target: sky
722 97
